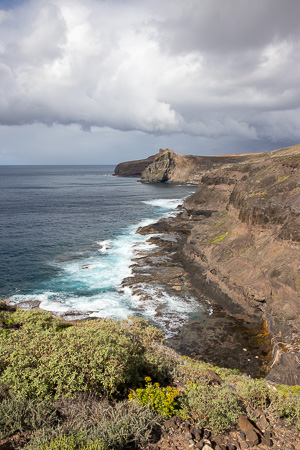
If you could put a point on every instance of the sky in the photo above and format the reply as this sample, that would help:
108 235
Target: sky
105 81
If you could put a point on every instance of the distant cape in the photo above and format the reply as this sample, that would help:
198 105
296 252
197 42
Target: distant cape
133 168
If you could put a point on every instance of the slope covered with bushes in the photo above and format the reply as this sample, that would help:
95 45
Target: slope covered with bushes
82 385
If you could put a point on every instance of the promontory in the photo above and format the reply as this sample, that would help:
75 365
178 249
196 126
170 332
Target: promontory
240 240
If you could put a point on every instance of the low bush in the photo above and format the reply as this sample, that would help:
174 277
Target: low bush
99 357
216 408
35 320
90 423
255 393
159 359
64 384
190 370
71 442
21 415
159 399
286 404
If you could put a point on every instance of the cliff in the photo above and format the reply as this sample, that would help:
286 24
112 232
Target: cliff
170 167
133 168
242 237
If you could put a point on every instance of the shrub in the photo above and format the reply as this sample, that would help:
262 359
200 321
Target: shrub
6 319
255 393
140 330
6 307
94 356
157 359
190 370
289 390
102 357
35 319
21 415
159 399
125 424
71 442
92 424
286 404
215 408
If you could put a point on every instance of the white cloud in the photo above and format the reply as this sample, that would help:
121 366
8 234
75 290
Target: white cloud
210 68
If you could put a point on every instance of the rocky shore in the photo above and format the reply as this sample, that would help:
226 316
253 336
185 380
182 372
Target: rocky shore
235 243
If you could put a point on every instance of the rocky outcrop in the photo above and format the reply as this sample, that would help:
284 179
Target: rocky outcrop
171 167
242 238
249 246
133 168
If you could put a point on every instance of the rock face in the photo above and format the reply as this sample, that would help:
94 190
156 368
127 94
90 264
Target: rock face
170 167
133 168
242 236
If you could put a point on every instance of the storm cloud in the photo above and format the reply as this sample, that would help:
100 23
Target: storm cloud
202 68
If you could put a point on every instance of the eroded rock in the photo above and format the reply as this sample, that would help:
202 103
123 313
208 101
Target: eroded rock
242 237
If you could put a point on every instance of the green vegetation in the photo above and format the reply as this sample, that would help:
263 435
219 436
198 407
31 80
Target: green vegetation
101 357
36 319
159 399
220 238
71 442
92 423
282 179
66 385
286 404
214 407
257 194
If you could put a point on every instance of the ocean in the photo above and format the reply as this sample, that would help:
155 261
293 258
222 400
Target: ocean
68 236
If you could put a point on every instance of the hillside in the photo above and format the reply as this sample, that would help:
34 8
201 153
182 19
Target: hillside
103 384
238 241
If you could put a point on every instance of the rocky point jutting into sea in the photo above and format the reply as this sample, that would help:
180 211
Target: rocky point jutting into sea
236 244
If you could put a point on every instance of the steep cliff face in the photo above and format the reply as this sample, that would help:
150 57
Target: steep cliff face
133 168
244 237
171 167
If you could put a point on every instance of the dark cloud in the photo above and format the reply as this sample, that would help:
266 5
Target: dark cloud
232 26
8 4
204 70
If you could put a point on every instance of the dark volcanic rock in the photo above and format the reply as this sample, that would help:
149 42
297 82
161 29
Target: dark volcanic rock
219 338
239 247
133 168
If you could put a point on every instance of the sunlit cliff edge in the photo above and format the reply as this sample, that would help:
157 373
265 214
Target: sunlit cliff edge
243 236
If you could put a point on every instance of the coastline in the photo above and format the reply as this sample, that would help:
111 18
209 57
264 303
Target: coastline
107 264
219 332
239 247
217 254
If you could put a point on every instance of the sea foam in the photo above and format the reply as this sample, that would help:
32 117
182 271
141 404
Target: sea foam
91 286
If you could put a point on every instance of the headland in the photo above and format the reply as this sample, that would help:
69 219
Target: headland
236 243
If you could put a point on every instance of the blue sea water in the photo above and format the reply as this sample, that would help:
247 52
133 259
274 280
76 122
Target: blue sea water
68 236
